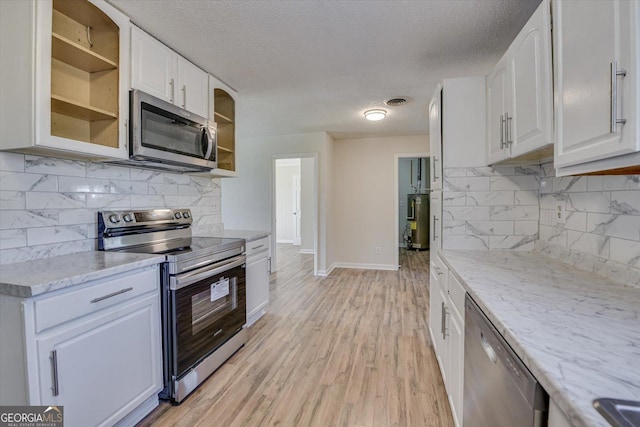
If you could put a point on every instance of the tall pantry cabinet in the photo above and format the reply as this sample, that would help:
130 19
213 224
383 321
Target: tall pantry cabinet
62 65
457 135
456 148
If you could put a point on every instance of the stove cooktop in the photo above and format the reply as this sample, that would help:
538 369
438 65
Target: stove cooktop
186 253
185 245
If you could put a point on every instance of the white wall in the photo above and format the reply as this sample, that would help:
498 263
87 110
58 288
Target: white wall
286 169
363 197
307 206
246 200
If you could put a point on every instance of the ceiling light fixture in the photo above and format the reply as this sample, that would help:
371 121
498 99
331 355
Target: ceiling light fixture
375 114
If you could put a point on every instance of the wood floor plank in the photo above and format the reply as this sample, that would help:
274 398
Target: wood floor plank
351 349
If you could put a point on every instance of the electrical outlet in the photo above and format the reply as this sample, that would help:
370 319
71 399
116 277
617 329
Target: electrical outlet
559 214
378 250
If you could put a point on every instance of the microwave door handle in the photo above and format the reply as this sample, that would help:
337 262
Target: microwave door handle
211 143
206 136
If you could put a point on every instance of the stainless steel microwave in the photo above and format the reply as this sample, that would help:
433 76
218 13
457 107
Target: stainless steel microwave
164 136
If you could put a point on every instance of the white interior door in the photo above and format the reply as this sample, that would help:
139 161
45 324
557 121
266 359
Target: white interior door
297 214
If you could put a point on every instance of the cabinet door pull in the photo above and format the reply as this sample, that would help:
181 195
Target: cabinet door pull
443 319
113 294
435 235
172 84
184 97
507 127
53 356
614 97
257 247
502 131
435 169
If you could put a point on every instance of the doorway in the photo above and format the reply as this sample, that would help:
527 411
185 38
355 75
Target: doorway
294 206
412 176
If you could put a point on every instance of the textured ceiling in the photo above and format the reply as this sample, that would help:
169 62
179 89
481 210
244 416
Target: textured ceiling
307 66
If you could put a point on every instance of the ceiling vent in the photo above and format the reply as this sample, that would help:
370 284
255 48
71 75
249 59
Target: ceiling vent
394 102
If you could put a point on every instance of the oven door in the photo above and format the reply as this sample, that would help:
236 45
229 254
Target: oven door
208 306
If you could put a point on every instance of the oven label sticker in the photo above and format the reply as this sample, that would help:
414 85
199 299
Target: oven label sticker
220 289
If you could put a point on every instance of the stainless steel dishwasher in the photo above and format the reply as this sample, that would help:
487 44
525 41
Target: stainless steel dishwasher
499 391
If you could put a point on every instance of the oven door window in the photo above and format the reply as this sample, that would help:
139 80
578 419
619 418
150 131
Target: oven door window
168 132
206 314
211 305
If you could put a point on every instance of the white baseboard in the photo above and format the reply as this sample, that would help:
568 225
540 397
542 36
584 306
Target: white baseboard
257 313
363 266
325 273
138 414
307 251
284 241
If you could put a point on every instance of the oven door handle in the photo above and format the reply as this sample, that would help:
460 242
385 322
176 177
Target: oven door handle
186 279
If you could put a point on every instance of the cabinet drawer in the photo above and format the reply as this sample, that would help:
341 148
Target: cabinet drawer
259 245
95 296
456 293
441 270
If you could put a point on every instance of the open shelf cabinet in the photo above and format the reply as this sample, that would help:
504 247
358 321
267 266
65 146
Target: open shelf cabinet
84 73
224 116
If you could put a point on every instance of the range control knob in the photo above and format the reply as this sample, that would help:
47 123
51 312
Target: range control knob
114 218
178 215
186 214
127 218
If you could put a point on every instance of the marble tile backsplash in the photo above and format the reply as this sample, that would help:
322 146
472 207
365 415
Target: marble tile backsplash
602 215
48 206
511 207
491 208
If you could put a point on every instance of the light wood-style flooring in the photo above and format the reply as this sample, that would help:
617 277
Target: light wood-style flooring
351 349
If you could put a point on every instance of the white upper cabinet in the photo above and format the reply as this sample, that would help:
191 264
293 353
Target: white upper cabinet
161 72
595 47
435 139
497 88
63 67
152 66
519 95
193 88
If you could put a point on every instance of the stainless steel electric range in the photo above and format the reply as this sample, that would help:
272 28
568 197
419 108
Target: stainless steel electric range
203 290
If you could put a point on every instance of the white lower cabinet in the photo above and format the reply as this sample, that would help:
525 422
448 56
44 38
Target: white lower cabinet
103 368
437 295
258 270
104 363
455 347
446 324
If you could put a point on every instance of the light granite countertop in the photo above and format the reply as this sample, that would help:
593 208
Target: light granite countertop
577 332
32 278
248 235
